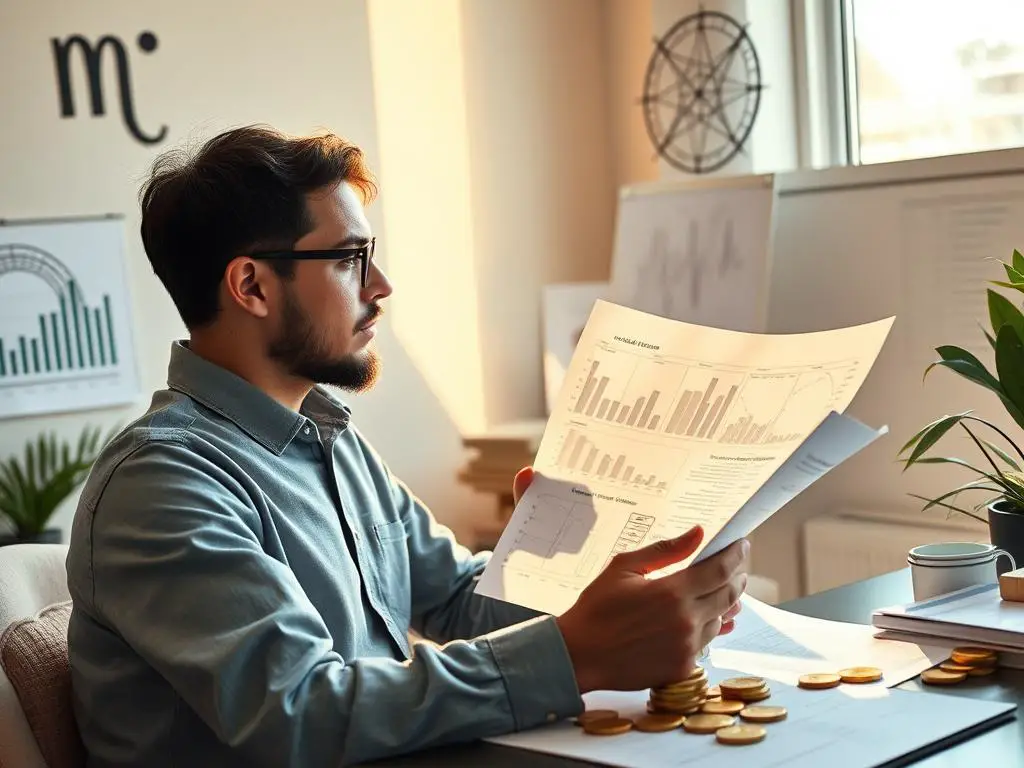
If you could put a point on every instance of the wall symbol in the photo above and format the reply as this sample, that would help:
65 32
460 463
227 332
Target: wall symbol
93 58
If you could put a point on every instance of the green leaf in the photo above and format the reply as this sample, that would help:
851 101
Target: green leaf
928 436
1001 454
1018 261
1012 273
1014 286
950 507
967 365
1010 364
1001 311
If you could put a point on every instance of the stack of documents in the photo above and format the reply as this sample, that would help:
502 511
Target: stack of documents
663 425
973 615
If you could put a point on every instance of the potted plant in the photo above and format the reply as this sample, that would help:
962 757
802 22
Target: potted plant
999 473
34 485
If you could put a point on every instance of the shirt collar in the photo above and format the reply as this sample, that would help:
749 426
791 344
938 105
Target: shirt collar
252 410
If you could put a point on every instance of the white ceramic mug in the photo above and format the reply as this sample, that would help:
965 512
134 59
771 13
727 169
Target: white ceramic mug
937 569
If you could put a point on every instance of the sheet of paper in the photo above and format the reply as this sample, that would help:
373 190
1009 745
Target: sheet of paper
975 614
662 425
779 645
846 727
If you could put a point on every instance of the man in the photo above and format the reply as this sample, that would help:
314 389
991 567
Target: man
244 567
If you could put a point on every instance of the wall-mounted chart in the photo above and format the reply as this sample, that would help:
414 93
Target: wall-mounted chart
65 336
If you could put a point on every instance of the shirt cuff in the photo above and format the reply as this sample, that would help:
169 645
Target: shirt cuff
537 671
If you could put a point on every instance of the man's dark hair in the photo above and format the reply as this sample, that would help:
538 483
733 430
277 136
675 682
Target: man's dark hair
244 190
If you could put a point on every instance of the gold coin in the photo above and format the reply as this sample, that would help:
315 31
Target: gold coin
763 714
684 685
722 707
757 695
681 690
819 681
707 723
860 675
981 671
658 723
967 653
938 677
741 734
714 692
696 672
952 666
739 684
595 714
658 708
610 727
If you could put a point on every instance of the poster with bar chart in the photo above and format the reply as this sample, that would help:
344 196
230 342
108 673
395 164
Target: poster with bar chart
65 335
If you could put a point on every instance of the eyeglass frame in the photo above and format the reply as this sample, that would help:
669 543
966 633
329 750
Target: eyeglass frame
362 252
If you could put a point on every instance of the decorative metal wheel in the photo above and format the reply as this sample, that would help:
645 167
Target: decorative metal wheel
702 91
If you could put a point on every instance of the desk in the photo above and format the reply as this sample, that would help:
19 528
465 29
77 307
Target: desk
1002 746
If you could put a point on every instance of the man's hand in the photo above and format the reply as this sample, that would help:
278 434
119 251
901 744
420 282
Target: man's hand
627 632
523 479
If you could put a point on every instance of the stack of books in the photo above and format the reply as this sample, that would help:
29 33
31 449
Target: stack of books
975 616
498 454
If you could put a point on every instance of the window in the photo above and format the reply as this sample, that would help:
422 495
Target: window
933 77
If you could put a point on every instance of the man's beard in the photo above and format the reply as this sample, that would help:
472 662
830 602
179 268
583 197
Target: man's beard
305 352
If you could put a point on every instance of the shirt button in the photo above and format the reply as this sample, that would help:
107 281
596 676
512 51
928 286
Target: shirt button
552 717
307 430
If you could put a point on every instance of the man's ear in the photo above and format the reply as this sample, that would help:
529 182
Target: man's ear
247 285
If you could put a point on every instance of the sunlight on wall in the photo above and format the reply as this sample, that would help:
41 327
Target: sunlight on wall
418 77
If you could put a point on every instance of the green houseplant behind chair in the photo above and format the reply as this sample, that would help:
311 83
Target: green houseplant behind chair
34 484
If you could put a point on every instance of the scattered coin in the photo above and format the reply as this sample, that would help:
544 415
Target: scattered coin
940 677
860 675
763 714
595 714
972 656
740 734
750 696
952 666
608 727
658 723
736 685
707 723
981 671
819 681
725 707
714 692
655 708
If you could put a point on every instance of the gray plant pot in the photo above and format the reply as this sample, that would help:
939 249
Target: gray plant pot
49 536
1006 528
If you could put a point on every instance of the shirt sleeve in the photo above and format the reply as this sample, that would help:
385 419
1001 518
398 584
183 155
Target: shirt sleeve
181 575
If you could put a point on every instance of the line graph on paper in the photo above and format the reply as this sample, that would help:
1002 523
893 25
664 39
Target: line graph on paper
555 541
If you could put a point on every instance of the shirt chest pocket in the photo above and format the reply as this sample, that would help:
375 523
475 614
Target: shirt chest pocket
390 541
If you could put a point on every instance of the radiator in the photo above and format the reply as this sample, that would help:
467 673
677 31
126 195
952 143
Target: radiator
842 549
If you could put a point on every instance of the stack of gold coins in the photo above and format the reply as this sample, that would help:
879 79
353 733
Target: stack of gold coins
745 689
682 698
964 662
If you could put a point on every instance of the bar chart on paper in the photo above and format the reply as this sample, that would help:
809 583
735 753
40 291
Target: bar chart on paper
622 462
643 393
65 339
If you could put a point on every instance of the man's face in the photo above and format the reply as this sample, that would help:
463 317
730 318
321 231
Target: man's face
325 327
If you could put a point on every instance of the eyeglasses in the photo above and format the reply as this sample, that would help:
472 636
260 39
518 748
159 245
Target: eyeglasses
363 252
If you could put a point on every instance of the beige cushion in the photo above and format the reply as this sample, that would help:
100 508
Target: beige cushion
34 654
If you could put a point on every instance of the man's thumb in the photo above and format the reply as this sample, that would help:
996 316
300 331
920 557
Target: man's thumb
660 554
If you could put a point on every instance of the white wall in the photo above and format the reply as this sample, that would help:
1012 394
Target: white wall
300 66
531 198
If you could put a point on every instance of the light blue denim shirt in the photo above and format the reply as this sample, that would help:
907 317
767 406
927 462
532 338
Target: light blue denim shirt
244 578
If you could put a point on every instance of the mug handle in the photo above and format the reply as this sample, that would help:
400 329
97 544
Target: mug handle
1003 553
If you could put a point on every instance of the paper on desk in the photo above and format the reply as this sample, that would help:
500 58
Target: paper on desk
662 425
847 727
779 645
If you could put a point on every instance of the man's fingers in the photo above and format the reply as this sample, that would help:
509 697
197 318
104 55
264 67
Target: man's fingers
708 576
522 481
721 601
733 611
727 627
660 554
